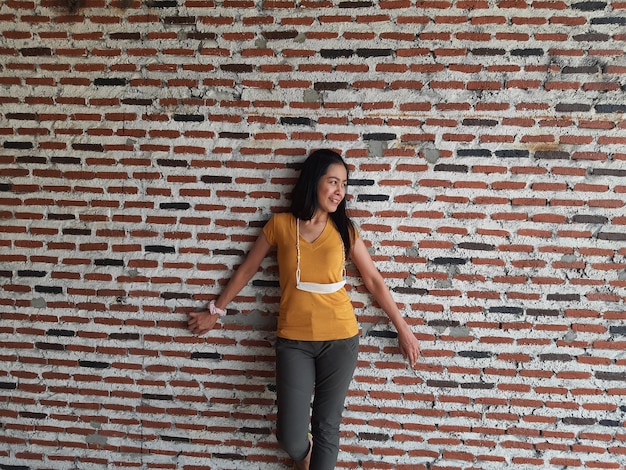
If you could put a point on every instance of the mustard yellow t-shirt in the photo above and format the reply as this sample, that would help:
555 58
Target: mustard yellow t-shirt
307 316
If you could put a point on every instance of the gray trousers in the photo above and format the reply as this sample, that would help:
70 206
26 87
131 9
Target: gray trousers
324 370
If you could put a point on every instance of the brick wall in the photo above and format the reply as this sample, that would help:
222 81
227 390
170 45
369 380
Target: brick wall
144 143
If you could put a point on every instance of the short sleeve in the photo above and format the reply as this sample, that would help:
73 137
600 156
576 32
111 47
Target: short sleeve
269 230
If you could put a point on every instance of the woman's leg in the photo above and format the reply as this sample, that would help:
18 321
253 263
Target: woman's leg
334 369
295 378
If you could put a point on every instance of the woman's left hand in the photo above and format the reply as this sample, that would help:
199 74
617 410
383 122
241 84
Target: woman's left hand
409 346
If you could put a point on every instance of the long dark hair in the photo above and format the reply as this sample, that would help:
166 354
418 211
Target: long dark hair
304 201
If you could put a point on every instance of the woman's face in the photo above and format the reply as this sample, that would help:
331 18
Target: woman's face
331 188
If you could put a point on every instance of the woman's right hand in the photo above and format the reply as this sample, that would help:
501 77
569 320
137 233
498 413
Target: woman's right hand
201 322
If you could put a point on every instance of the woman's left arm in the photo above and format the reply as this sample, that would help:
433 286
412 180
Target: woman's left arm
375 284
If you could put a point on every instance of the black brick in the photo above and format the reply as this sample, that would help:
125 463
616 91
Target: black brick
18 145
175 295
589 6
527 52
541 312
265 283
478 385
225 456
410 290
175 205
512 153
610 423
237 68
374 436
162 3
382 334
591 37
36 51
279 35
4 187
228 252
507 310
179 20
188 117
475 354
374 52
49 346
484 51
380 136
552 155
216 179
297 121
477 246
156 396
22 116
331 86
205 355
610 20
616 376
137 101
201 36
442 383
564 297
449 260
32 415
31 273
356 4
556 357
480 122
234 135
31 159
617 330
335 53
589 70
88 147
94 364
159 249
572 108
257 431
172 163
49 289
125 36
77 231
8 385
372 197
474 153
443 323
360 182
610 108
57 332
61 217
452 168
611 236
590 219
108 262
579 421
110 82
66 160
608 172
124 336
175 439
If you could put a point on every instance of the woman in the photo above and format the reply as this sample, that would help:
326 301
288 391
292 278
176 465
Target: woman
317 335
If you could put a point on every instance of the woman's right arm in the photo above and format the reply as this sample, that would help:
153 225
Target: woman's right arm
202 322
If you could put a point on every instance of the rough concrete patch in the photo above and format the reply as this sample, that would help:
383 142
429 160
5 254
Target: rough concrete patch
377 148
311 96
38 303
256 319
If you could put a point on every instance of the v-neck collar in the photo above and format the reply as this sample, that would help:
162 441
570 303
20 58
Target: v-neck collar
320 237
